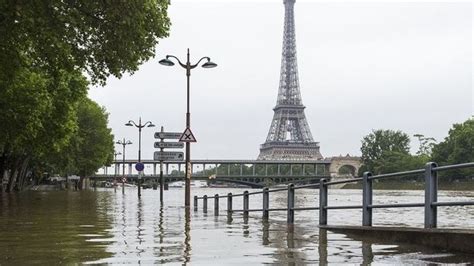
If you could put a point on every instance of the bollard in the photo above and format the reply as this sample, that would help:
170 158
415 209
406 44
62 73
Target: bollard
266 203
246 203
229 203
290 214
216 205
195 203
323 202
431 195
367 199
204 204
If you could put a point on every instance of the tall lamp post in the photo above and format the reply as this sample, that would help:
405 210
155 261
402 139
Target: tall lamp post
139 126
188 66
115 170
123 143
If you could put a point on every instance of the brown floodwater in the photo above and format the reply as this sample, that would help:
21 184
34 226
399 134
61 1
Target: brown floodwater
107 227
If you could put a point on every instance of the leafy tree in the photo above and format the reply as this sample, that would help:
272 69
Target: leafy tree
93 144
426 144
101 37
392 162
457 147
380 144
46 47
39 117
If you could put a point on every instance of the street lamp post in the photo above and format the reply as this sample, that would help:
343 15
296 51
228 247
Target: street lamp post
139 126
115 170
188 66
123 143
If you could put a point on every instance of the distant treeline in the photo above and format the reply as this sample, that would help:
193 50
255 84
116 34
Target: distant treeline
388 151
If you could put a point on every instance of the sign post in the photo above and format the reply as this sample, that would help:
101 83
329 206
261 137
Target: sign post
167 156
161 166
139 167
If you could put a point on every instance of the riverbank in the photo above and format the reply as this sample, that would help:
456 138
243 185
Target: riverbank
415 185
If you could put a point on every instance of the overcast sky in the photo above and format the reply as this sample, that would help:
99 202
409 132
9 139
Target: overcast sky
362 66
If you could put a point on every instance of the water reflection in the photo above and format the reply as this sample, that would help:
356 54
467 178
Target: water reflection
139 227
323 247
104 227
124 224
290 244
161 233
265 232
245 226
367 254
187 235
35 223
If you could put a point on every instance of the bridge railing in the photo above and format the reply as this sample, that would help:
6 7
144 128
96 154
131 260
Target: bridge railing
430 203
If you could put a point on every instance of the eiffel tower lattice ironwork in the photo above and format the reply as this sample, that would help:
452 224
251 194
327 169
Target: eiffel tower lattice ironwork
289 137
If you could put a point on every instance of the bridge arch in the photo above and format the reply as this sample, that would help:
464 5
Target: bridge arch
347 169
343 166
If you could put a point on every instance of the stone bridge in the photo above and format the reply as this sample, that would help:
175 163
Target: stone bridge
344 166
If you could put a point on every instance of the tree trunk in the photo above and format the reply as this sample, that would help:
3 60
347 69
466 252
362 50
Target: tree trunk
4 174
22 175
13 175
3 169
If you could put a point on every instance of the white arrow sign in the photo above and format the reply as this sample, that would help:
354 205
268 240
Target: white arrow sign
167 135
172 156
169 145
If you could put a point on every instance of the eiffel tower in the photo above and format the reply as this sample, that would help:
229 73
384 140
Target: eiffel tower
289 137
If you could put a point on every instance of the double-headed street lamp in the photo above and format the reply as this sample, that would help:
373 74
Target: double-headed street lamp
188 66
123 143
139 126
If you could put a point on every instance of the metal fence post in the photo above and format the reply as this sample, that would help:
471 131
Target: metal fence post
195 203
216 205
323 202
229 203
431 195
266 203
367 199
246 203
290 215
204 204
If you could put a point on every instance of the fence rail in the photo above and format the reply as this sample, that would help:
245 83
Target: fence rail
430 203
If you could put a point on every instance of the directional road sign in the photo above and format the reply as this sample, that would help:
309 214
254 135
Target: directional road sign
187 136
169 145
169 156
167 135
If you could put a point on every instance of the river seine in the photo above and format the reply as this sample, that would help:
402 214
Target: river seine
106 227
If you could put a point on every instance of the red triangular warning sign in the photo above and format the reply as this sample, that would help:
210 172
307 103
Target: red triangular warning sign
187 136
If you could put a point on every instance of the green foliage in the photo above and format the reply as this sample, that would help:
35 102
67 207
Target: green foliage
457 147
101 37
93 144
381 144
46 47
393 162
426 144
387 151
39 112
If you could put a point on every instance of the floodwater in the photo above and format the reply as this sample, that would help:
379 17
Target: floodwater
107 227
